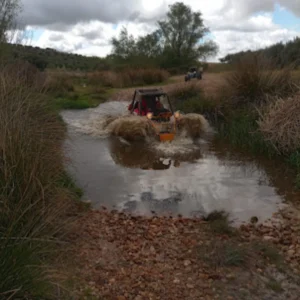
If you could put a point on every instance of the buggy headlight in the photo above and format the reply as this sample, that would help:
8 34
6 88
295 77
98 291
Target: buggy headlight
177 114
149 116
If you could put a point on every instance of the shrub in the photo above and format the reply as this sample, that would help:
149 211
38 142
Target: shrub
59 85
32 202
280 123
255 78
184 91
189 98
127 78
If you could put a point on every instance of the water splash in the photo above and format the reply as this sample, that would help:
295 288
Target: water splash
113 119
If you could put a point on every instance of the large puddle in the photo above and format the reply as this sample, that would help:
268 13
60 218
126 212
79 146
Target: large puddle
187 178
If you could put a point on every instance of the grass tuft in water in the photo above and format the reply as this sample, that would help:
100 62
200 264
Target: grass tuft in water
219 223
241 130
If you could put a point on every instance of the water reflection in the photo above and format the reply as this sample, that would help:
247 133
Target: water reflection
205 179
149 203
273 172
140 180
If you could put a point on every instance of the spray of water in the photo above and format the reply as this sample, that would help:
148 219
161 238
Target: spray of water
113 119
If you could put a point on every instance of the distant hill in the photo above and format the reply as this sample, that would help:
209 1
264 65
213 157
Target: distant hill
282 53
52 59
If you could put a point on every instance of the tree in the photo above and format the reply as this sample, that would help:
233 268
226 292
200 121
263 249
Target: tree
149 45
182 32
178 40
125 46
9 9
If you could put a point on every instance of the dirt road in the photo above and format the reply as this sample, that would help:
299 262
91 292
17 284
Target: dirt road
210 83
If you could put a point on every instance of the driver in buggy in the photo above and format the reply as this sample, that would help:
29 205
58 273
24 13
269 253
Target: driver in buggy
144 109
159 106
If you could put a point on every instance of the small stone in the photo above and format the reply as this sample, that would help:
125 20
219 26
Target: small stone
230 276
268 238
176 281
190 286
187 263
152 249
291 252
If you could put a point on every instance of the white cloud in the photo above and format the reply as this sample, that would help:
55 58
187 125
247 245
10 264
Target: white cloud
231 41
87 27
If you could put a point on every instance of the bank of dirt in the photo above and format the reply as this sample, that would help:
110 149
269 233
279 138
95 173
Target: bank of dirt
119 256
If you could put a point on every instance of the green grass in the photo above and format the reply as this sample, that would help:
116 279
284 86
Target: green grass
226 254
82 98
269 252
294 161
241 129
274 285
66 181
62 103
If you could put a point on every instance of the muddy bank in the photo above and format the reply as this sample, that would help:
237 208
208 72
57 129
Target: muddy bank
126 257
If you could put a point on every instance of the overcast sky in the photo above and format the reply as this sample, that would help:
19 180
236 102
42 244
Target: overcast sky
86 27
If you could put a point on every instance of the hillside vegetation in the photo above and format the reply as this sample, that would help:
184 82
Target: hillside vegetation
282 54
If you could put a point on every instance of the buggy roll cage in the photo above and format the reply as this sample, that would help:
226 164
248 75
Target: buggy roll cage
148 93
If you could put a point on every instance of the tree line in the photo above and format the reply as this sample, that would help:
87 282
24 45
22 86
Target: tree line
52 59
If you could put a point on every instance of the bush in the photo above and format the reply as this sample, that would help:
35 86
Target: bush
189 98
127 78
280 124
59 85
255 79
32 202
184 91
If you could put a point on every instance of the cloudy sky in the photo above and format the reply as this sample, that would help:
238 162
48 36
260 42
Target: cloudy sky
86 27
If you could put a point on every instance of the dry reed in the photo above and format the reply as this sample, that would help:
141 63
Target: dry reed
254 79
33 204
280 123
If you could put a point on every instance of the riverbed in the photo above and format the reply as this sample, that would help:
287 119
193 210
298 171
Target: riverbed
190 178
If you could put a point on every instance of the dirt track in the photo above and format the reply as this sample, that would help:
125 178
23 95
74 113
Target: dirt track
210 84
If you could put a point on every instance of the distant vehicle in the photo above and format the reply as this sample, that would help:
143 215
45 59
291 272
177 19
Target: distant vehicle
194 73
156 106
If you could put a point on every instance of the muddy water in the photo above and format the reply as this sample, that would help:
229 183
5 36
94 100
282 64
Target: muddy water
191 178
